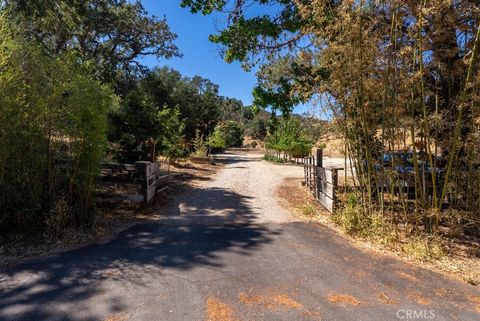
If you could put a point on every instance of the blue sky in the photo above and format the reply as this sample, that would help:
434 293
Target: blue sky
200 56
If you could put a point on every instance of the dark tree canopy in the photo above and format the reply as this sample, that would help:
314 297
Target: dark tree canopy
113 34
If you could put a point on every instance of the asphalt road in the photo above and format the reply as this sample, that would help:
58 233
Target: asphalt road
229 251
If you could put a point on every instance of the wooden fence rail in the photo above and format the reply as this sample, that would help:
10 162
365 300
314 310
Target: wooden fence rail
146 174
321 181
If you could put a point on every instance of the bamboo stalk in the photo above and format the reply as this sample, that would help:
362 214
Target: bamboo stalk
458 125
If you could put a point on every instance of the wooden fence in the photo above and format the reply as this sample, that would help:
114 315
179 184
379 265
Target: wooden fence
321 181
146 174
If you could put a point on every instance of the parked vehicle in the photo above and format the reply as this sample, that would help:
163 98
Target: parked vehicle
396 169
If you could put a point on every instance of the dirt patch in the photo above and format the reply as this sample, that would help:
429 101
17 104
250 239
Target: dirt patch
271 301
194 174
418 298
383 298
296 198
217 310
343 299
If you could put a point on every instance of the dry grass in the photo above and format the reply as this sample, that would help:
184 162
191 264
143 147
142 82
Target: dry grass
424 249
308 210
297 199
217 310
334 146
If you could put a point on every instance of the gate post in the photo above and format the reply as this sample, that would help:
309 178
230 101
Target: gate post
319 157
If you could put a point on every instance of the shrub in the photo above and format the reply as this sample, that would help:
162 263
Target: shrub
424 247
52 139
354 220
199 145
290 138
216 140
274 159
233 134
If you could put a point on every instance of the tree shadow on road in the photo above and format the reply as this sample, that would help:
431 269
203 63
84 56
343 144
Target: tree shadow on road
63 287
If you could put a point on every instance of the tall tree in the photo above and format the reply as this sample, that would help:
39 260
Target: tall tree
112 34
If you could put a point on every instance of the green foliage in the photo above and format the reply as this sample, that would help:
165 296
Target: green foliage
353 219
144 115
52 132
216 140
197 99
172 144
247 35
200 146
203 6
233 134
258 129
289 137
275 159
136 122
110 34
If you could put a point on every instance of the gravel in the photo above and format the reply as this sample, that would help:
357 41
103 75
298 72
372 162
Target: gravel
244 191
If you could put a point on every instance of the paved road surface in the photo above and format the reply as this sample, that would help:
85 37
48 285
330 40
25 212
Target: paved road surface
229 251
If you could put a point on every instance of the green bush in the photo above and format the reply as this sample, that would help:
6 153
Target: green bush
274 159
216 140
53 135
233 134
200 146
290 138
353 219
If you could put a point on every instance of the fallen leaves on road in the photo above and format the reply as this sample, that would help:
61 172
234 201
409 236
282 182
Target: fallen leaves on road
382 297
117 317
404 275
443 292
343 299
476 302
417 297
218 311
271 301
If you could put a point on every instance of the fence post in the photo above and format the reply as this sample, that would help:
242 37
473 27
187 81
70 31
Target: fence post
304 170
335 186
149 173
319 161
310 176
319 157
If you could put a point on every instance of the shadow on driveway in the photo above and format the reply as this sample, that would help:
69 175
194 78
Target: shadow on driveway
46 289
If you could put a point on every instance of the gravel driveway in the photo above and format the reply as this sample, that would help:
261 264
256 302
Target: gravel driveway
228 251
247 175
